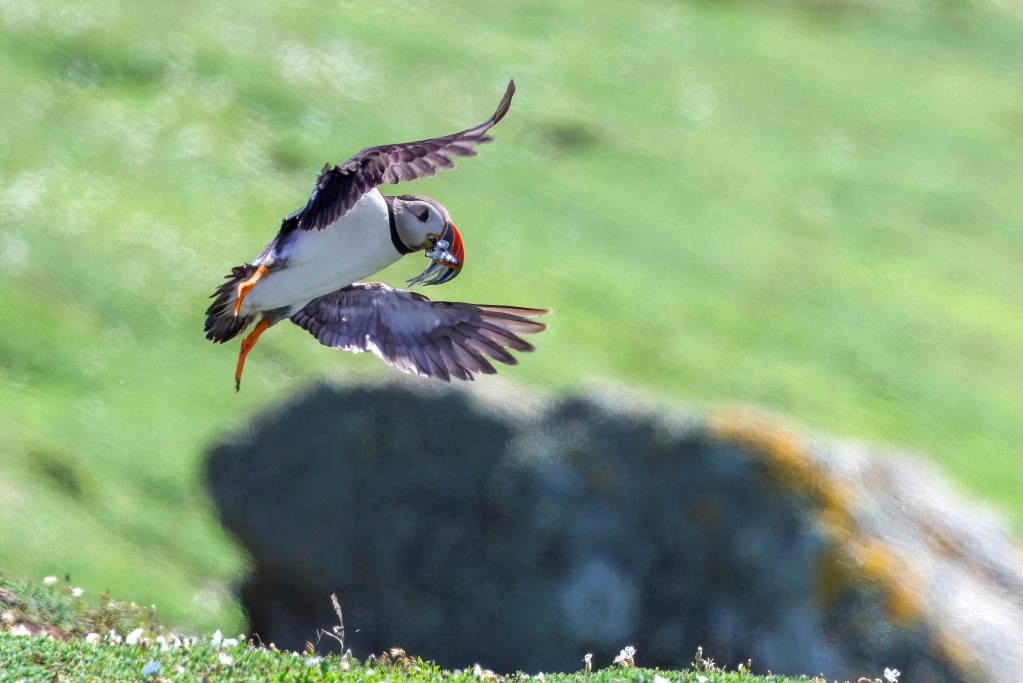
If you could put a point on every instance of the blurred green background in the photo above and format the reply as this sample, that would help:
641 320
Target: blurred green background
814 207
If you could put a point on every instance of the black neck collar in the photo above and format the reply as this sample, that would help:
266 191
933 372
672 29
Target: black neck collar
395 237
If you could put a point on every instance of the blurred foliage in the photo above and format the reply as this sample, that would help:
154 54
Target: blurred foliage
809 206
63 611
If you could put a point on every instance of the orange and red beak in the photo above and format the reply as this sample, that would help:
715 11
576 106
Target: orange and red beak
448 256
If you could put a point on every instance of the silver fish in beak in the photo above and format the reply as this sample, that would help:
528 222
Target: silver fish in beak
447 255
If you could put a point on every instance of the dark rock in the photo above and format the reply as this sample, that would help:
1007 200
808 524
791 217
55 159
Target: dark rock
467 530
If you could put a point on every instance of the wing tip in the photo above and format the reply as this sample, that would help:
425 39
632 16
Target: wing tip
505 103
520 311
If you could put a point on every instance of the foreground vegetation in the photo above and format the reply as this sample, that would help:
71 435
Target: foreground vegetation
35 658
51 633
813 209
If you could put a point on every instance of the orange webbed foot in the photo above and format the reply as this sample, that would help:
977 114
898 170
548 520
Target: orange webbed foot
247 344
246 286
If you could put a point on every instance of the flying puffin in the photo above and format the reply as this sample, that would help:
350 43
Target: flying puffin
347 231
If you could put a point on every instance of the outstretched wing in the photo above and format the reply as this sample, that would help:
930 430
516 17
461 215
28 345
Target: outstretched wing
407 331
339 187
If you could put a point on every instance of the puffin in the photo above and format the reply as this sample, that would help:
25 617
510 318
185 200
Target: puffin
310 273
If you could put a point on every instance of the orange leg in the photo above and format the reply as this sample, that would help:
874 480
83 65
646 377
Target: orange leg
247 344
244 287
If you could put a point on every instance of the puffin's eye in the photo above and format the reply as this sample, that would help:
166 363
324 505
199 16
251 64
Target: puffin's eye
424 216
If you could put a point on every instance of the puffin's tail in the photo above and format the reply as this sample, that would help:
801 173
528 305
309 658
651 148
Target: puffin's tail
221 323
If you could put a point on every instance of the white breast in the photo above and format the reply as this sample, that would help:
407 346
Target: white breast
319 262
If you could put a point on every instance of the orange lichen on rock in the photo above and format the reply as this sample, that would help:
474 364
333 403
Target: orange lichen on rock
783 448
854 556
949 648
877 563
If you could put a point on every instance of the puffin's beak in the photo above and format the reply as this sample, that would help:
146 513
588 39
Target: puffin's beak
448 255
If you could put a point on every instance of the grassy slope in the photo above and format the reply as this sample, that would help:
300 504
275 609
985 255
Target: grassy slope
814 211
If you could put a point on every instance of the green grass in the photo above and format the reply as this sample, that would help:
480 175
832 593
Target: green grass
48 634
38 659
813 210
63 611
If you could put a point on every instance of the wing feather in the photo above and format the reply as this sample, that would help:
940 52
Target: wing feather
485 346
338 188
409 332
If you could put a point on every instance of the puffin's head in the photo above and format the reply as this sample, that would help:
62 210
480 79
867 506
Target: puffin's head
424 225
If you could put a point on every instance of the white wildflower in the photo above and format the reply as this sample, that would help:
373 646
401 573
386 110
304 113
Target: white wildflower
313 661
892 675
20 630
658 678
626 657
588 662
113 638
217 638
92 639
76 592
229 642
179 669
49 581
151 668
480 673
702 679
162 642
133 637
226 660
